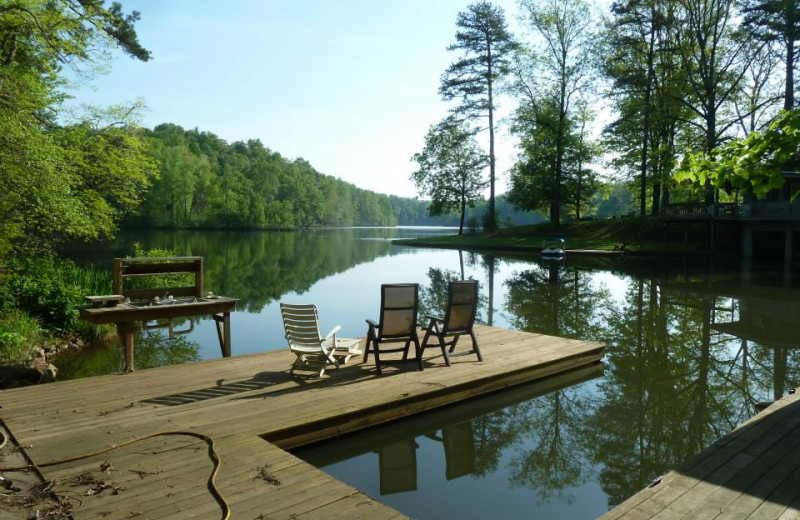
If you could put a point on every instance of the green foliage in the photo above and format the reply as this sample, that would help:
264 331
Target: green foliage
51 290
19 333
752 164
450 167
207 183
157 281
41 291
549 78
59 182
542 176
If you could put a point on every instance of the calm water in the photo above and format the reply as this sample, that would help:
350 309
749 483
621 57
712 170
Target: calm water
691 350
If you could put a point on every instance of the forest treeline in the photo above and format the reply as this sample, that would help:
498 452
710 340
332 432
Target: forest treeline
203 181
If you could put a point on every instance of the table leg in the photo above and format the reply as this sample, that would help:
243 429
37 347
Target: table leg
226 351
223 321
125 332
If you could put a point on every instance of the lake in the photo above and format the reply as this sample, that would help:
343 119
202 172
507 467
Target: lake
692 348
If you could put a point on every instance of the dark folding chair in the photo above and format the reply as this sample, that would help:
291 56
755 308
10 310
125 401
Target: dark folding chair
462 305
398 323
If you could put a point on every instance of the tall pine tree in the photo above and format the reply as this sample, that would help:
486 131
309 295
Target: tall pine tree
486 44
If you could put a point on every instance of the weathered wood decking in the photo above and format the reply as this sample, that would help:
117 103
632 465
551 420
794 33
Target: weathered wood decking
242 403
753 472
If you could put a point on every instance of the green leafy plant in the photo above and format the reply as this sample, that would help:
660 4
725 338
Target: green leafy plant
19 333
754 163
51 290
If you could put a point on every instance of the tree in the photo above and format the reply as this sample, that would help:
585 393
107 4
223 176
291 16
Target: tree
714 62
44 195
561 71
483 38
450 167
581 181
534 184
754 163
777 21
639 58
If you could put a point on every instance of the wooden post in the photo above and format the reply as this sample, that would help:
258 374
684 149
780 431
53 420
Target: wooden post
226 349
125 331
223 322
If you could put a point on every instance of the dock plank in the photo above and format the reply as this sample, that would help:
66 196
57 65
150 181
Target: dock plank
241 401
750 473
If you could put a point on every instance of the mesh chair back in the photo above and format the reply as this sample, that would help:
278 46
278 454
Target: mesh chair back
300 325
462 306
398 310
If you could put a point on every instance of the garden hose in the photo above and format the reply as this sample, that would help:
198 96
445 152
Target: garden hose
226 510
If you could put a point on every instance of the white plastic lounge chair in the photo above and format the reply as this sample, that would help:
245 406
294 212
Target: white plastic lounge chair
300 323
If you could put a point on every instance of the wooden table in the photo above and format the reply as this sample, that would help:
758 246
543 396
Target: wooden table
124 315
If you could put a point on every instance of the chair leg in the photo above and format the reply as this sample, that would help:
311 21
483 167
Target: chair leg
444 351
418 351
377 357
475 345
405 352
366 347
424 342
453 344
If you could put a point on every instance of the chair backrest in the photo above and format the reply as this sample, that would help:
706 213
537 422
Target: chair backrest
399 304
462 305
300 325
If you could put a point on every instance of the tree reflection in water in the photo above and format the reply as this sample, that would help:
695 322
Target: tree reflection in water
675 384
153 349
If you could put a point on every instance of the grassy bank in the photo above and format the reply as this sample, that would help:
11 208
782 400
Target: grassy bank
636 235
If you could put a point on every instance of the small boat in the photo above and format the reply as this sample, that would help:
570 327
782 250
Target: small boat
553 247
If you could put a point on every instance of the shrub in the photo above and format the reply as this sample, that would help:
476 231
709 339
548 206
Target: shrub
19 334
52 290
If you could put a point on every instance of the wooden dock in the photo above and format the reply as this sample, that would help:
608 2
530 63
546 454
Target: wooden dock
254 411
753 472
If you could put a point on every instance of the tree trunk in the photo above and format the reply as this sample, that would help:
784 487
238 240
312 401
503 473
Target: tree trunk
711 143
656 209
463 211
555 207
646 116
788 101
491 221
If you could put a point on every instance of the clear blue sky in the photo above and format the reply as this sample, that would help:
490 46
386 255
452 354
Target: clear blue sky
349 85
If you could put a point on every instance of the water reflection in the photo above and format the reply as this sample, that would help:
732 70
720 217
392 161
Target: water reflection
157 346
491 442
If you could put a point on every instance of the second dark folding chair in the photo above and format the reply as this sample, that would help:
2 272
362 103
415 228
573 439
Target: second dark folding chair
462 305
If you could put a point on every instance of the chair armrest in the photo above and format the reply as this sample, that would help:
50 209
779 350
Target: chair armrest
432 317
372 324
333 333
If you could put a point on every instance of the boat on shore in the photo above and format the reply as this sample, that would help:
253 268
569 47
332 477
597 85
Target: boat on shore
554 248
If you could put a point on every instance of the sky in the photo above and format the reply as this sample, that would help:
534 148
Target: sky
349 85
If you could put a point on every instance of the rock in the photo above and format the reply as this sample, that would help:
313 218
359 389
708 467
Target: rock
49 374
13 376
